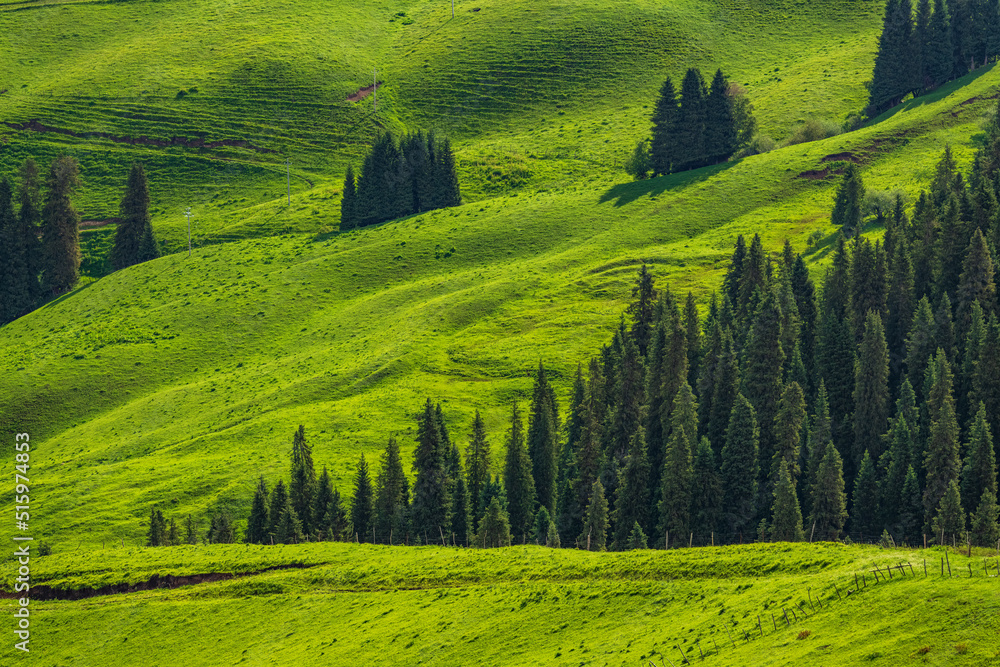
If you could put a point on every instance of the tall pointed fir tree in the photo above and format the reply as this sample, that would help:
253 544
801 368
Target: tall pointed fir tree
895 463
706 490
941 460
677 477
392 497
847 202
976 282
363 503
865 515
134 222
664 148
980 471
788 422
892 75
949 524
786 515
595 523
277 501
899 305
937 51
430 510
911 509
808 309
626 418
740 457
632 503
302 487
692 336
985 530
569 459
494 527
284 524
871 391
29 218
986 375
519 483
256 532
542 442
348 202
820 436
720 126
642 310
829 501
691 123
724 391
460 520
328 518
13 264
446 175
477 466
869 284
61 228
921 344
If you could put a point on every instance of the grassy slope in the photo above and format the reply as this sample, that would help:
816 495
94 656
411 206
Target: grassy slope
358 604
180 380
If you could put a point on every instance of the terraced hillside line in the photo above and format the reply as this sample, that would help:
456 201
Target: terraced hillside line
196 142
364 92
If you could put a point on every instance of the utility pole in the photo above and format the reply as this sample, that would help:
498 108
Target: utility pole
288 167
187 214
452 8
375 90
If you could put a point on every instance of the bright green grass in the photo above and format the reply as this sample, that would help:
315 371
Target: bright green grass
359 604
534 93
179 381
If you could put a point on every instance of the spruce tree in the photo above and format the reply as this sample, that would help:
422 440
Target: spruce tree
865 513
431 502
847 203
392 496
552 536
542 521
941 460
869 284
706 489
348 202
788 421
302 487
677 478
636 538
256 532
980 472
691 123
276 504
829 501
786 515
287 528
985 526
949 517
808 309
519 483
664 148
446 176
937 51
976 282
720 126
494 527
986 375
320 521
911 508
542 443
641 310
740 457
626 418
595 523
14 297
477 466
173 538
727 383
134 220
820 436
900 306
633 497
891 76
363 503
871 391
921 344
61 228
157 529
692 336
895 463
29 218
460 519
950 247
191 534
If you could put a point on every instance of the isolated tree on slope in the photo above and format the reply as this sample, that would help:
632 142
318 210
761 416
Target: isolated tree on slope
134 222
61 228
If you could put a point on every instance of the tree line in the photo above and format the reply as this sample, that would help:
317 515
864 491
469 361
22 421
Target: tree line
40 234
695 126
920 50
397 179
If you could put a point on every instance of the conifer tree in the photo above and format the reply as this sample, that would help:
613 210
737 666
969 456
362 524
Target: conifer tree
190 533
892 74
348 202
786 521
949 517
595 523
542 521
392 496
677 478
900 306
542 441
664 149
60 228
477 465
864 502
657 402
256 532
941 460
820 436
494 527
986 375
691 123
325 523
706 489
637 538
937 51
519 483
14 296
911 509
847 203
704 384
335 518
980 472
836 363
868 284
921 344
692 336
871 391
460 520
754 285
895 463
173 537
921 37
134 220
829 501
739 468
626 418
29 218
287 528
157 529
363 503
720 125
641 310
949 248
302 487
431 505
985 526
276 503
633 499
733 279
976 282
808 309
552 536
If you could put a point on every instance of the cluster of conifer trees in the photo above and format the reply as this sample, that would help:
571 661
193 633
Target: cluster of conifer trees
162 534
703 126
918 51
397 179
134 239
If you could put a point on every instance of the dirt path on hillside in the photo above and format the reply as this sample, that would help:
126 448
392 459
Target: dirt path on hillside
364 92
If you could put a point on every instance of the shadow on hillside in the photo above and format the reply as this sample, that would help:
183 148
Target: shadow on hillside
626 193
934 96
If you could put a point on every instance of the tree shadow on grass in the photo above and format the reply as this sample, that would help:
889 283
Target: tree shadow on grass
935 95
626 193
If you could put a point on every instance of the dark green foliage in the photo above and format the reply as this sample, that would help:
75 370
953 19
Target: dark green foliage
869 284
256 532
894 73
726 387
595 524
348 202
445 176
519 483
626 418
302 488
14 293
820 436
691 123
980 472
692 336
276 504
895 463
657 402
221 531
392 496
786 521
921 344
190 533
871 391
720 123
460 521
29 218
134 223
734 272
985 526
829 501
542 521
937 50
808 309
632 502
739 468
477 466
60 228
847 203
941 460
156 536
706 490
949 517
677 477
637 538
641 310
899 305
951 244
788 421
865 515
976 282
552 536
494 527
431 506
363 503
911 508
986 375
542 441
754 284
664 148
328 517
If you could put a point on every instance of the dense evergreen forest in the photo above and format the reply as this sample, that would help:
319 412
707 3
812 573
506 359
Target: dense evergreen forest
940 41
865 410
